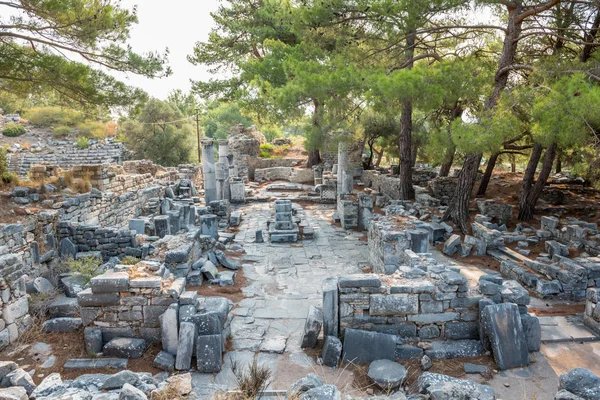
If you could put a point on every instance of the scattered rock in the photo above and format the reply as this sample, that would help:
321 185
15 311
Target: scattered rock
389 375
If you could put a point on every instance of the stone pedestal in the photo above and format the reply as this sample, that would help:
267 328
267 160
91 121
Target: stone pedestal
283 229
162 226
318 174
209 225
238 190
341 167
208 169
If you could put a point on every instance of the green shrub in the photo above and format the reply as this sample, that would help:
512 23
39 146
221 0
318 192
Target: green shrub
9 177
83 143
53 116
13 130
87 267
266 150
62 131
129 260
91 129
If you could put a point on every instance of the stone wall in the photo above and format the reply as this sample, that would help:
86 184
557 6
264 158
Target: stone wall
129 300
387 244
15 304
68 157
290 174
255 163
443 188
390 185
431 304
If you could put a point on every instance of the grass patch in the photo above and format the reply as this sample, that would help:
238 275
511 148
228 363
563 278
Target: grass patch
13 130
251 380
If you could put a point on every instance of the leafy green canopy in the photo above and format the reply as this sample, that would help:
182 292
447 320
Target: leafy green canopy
156 137
39 38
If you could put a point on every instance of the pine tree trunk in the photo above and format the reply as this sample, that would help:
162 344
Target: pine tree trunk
489 170
527 202
379 157
448 160
404 146
529 176
558 162
314 158
513 164
589 38
458 210
407 191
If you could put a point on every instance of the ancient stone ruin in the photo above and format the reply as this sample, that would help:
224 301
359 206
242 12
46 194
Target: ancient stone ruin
200 270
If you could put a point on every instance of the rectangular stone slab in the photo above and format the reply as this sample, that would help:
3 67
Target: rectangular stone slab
91 363
502 326
364 346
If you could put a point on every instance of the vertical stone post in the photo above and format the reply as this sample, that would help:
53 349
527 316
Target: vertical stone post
208 170
224 158
318 174
330 307
175 221
341 168
162 227
365 211
220 176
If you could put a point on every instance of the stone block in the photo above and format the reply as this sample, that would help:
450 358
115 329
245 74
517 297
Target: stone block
312 327
185 348
451 245
125 348
164 361
332 351
330 307
461 330
502 326
92 338
209 350
455 349
208 323
359 281
169 330
393 304
110 282
532 331
364 346
63 324
15 310
408 352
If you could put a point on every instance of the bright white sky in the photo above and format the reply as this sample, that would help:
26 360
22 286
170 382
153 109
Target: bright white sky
178 25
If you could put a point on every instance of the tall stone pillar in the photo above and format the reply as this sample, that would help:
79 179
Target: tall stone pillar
208 169
342 165
220 176
224 158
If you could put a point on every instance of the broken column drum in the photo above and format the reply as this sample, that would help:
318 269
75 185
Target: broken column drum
208 169
224 158
283 229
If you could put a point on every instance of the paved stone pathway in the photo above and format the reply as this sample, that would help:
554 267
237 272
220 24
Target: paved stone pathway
283 281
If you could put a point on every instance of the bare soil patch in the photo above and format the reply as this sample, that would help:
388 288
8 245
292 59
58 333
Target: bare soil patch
233 293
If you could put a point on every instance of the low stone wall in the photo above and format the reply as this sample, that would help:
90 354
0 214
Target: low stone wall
443 188
290 174
502 213
437 305
15 304
388 241
390 185
255 163
68 157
